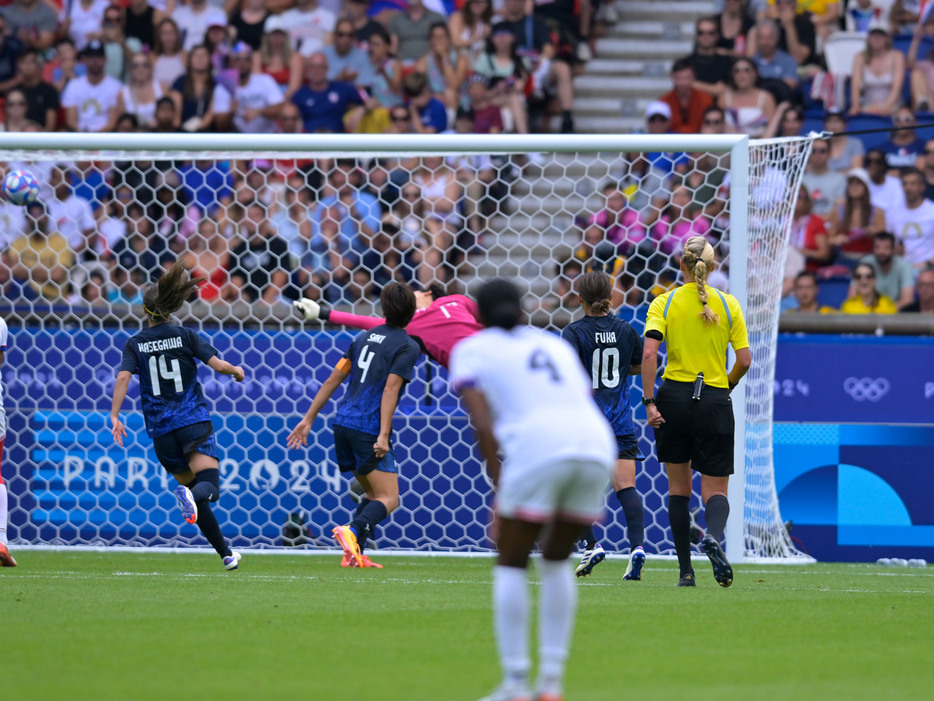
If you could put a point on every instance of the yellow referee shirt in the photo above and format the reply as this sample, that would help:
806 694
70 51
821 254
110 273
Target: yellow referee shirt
692 346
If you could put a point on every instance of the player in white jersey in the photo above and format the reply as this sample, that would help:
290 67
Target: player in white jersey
528 398
6 560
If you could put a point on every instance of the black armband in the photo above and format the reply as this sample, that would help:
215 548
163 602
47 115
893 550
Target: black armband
654 334
324 314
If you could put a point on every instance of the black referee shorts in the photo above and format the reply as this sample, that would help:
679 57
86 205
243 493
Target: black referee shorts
699 431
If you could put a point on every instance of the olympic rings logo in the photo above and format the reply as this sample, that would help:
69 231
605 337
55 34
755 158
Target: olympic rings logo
866 388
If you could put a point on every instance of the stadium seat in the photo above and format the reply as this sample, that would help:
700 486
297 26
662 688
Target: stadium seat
902 42
833 291
839 50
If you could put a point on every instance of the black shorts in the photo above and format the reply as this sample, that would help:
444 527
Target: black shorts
174 447
628 447
699 431
355 452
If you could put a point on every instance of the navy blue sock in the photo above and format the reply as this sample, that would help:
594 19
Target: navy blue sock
589 537
631 502
364 522
680 519
206 486
716 512
363 502
208 524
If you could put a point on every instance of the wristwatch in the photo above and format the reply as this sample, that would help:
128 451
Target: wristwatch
648 400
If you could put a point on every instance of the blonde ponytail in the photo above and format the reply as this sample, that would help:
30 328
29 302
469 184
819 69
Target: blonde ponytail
698 258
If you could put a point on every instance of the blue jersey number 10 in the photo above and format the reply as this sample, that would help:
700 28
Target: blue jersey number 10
604 368
171 371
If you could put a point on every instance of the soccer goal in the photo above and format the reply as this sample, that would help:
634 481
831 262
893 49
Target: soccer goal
270 218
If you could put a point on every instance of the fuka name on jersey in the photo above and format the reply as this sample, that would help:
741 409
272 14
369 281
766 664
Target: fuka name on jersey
160 345
604 336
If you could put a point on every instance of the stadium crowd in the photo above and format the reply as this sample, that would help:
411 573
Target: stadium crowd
270 230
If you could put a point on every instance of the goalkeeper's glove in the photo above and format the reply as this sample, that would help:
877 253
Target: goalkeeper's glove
311 310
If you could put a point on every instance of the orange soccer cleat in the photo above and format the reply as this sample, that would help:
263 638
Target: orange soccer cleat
6 560
348 542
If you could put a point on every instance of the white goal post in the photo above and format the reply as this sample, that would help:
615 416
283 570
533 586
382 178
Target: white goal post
59 492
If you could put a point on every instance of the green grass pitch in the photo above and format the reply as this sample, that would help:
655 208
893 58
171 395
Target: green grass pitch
99 625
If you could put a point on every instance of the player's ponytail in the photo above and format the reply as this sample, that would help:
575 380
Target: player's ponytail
699 261
165 297
596 289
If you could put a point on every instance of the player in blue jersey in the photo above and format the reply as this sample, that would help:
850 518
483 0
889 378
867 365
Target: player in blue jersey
611 350
177 418
379 363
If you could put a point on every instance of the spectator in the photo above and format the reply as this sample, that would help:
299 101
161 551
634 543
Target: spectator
445 67
94 291
347 62
877 76
791 121
894 275
81 21
42 102
170 58
904 146
247 22
645 185
173 220
471 27
925 301
913 223
139 22
853 224
194 18
441 193
400 120
884 190
714 121
217 39
806 291
658 121
208 256
749 108
324 103
777 70
166 119
861 15
846 152
549 72
428 113
921 78
136 258
257 98
356 212
41 258
904 16
386 85
827 187
293 221
678 221
259 264
202 104
277 59
687 103
866 298
733 26
310 26
14 113
90 101
71 215
711 67
140 95
207 185
926 164
809 233
506 74
487 118
364 26
410 30
117 48
128 123
63 67
616 222
32 22
14 290
115 221
10 50
797 35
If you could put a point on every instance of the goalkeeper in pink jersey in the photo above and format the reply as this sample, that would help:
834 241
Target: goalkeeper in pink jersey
440 322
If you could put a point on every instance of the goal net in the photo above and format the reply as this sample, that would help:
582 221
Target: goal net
270 219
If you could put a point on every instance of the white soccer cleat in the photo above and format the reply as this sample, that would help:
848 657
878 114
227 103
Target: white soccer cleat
309 308
509 692
232 561
591 559
634 568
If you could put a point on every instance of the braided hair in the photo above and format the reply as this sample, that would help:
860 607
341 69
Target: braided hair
165 297
596 288
698 259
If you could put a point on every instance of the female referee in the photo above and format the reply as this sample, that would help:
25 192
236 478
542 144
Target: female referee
177 418
692 413
611 350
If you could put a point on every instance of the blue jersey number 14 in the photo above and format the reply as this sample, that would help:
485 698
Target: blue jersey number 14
170 371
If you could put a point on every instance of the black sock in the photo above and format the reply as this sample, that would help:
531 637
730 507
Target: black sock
206 486
589 538
631 502
363 502
716 512
680 519
566 115
211 529
365 521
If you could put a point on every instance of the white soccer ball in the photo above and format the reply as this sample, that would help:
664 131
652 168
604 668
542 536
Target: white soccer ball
20 187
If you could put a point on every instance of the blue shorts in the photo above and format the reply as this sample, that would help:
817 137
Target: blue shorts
628 447
355 452
174 447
